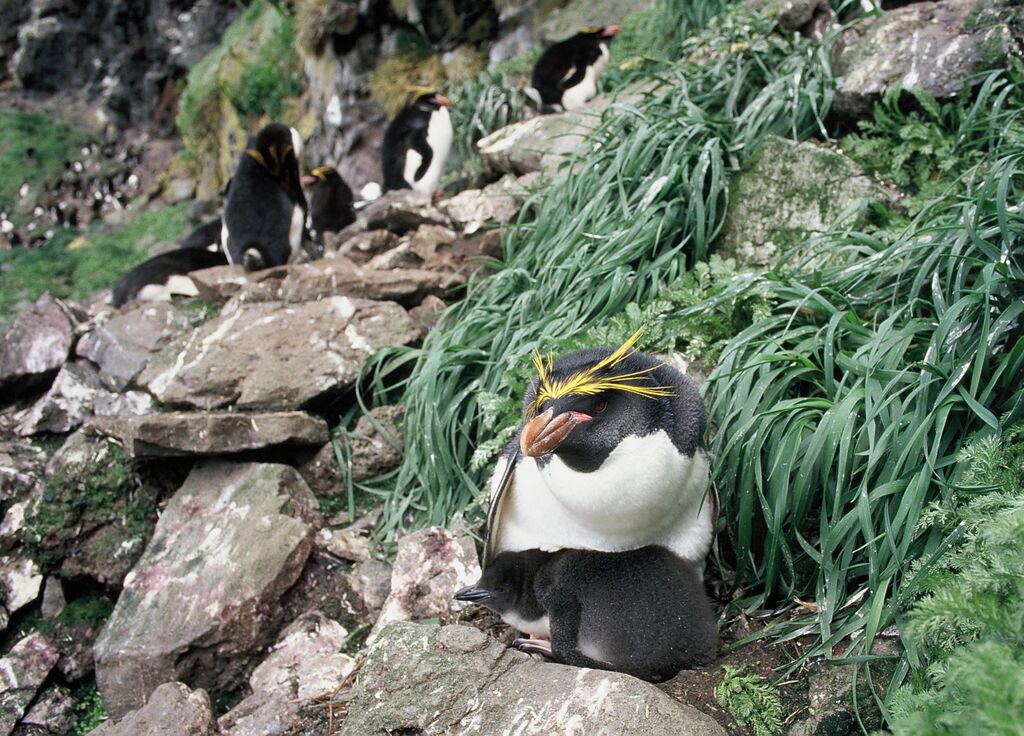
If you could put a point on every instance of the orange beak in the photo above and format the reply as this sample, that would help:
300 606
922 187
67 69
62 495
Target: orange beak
610 31
545 432
442 100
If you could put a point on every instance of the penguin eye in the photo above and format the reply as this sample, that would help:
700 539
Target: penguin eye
600 405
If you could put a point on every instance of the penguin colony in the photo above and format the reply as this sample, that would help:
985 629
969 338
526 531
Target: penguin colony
601 517
266 220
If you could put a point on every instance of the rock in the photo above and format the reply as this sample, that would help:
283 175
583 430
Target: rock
24 670
496 203
209 433
94 516
372 453
788 192
172 709
566 21
430 566
53 713
53 598
427 313
12 525
124 344
321 472
360 246
934 46
370 584
304 664
203 598
76 393
331 276
447 23
21 471
344 544
274 356
795 15
455 680
35 347
540 143
22 581
401 211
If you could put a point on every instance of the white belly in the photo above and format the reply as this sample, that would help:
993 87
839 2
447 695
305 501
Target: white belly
538 628
295 229
646 492
439 138
576 97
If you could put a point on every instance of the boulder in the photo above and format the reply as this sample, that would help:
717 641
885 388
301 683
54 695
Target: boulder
360 246
203 598
209 433
455 680
331 276
371 452
171 709
788 192
52 714
274 356
75 394
564 22
20 582
496 203
540 143
369 585
934 46
344 544
21 472
431 564
306 663
808 17
34 347
401 211
124 344
24 669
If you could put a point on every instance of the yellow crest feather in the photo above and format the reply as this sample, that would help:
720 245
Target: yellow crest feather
589 381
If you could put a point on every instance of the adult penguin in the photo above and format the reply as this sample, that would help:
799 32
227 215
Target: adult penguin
565 76
265 211
610 457
330 201
417 142
164 276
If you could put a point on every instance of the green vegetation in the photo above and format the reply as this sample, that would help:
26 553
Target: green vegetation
255 68
33 149
102 491
965 635
89 712
750 700
79 267
91 609
480 107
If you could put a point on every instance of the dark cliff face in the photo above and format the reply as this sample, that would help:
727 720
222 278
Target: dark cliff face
126 54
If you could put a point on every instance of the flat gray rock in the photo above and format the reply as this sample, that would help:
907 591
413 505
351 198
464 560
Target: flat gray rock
76 394
788 192
496 203
935 46
172 709
204 597
274 356
35 347
22 672
124 344
209 433
456 680
330 276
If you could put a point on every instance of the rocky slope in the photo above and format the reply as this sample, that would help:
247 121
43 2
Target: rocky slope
170 486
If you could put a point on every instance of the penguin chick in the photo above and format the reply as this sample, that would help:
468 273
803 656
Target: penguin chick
610 457
330 201
265 211
642 612
416 142
163 276
566 74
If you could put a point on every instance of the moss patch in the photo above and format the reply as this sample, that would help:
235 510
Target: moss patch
411 65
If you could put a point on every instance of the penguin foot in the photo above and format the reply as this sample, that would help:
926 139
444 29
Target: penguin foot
534 646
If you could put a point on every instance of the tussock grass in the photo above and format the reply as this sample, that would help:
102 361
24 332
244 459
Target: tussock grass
645 200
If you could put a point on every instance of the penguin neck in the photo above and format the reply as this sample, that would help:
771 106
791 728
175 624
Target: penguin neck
645 492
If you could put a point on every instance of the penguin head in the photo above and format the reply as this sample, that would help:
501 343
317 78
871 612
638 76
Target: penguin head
321 175
506 585
425 100
581 406
277 149
599 34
